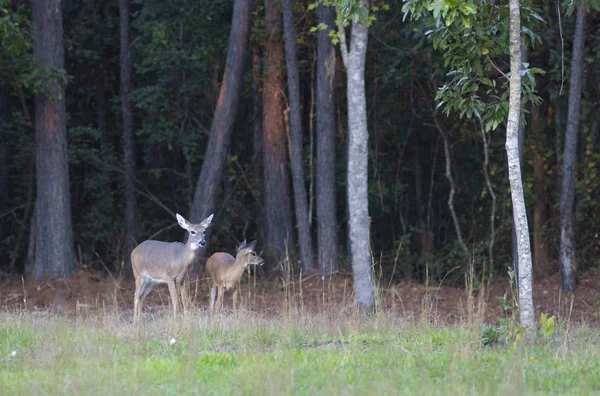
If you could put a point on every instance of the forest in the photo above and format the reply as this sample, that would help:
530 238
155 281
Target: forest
344 136
409 189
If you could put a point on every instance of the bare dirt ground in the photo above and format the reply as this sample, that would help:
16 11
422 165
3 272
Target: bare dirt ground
96 291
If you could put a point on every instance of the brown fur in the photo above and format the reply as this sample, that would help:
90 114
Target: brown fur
225 272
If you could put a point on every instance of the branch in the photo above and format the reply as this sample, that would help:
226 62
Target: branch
496 67
490 189
343 44
452 185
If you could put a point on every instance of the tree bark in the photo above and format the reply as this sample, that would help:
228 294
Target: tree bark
5 121
526 308
225 114
54 254
257 72
297 155
423 232
128 138
541 263
567 196
358 161
275 173
326 200
521 138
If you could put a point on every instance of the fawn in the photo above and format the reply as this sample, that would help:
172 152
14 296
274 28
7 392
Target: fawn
226 272
163 262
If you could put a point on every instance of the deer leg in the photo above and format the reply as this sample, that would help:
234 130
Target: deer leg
235 298
213 295
145 286
182 285
219 298
173 293
136 298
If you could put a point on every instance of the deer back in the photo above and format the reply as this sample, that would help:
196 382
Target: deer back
161 260
218 265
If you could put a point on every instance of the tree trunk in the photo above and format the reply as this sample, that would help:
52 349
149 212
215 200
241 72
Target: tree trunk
257 72
326 200
128 139
225 114
358 161
275 173
521 137
541 263
297 156
5 121
567 196
423 232
54 254
526 308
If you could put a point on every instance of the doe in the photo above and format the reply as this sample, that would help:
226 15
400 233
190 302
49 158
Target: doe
226 272
163 262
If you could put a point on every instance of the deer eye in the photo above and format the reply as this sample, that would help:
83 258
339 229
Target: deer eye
254 253
193 233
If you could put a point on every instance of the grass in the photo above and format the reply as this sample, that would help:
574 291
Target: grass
248 354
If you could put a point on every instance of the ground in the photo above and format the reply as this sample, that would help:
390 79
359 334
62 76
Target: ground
94 291
76 336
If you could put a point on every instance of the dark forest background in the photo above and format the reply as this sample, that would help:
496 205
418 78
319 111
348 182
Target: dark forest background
154 152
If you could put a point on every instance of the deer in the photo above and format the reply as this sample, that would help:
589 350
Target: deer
155 262
225 272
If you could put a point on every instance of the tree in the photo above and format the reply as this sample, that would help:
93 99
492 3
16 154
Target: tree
225 113
5 121
326 200
275 173
354 56
129 149
526 309
54 254
567 197
295 121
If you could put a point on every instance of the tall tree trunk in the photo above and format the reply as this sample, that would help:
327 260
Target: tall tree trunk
225 114
567 196
526 308
326 200
541 263
54 254
521 138
354 57
5 121
128 139
275 172
423 231
297 156
257 72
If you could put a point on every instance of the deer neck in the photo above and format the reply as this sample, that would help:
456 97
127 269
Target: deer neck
238 267
189 252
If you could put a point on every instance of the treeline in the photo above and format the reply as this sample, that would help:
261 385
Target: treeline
337 139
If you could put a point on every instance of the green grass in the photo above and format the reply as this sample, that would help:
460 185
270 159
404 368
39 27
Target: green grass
247 354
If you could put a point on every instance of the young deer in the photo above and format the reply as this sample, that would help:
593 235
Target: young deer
163 262
225 272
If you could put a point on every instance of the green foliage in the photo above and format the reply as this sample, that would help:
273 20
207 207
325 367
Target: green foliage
477 86
546 326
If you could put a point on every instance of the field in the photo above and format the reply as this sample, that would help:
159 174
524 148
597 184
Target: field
294 347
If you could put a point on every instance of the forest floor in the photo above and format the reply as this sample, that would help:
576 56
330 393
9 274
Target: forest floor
76 336
97 291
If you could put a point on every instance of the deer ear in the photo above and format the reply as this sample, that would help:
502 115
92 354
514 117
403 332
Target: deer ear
251 245
208 220
182 222
242 245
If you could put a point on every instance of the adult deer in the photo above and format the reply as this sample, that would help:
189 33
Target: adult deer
226 272
163 262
